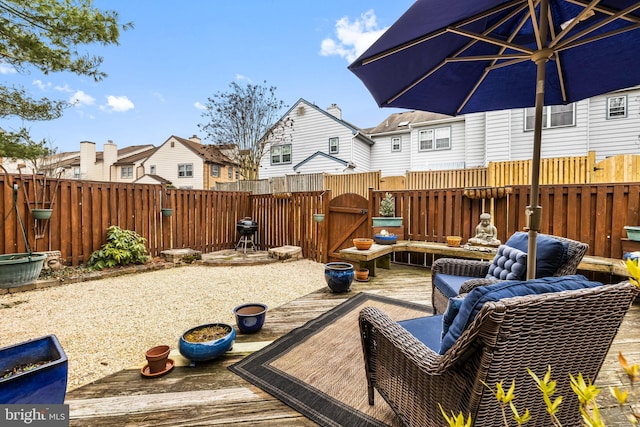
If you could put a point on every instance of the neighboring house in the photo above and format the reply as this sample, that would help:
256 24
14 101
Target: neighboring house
414 140
319 142
187 163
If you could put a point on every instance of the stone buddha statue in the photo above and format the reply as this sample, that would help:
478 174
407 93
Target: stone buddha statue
485 233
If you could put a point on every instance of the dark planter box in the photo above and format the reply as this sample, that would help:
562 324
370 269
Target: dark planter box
46 384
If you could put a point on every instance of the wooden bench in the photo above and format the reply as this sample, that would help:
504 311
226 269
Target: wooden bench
380 256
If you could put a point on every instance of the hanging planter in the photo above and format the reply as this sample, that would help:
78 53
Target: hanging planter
20 269
166 211
41 213
486 192
318 217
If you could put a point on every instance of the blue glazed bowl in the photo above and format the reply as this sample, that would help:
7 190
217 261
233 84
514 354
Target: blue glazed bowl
338 276
250 317
206 350
389 239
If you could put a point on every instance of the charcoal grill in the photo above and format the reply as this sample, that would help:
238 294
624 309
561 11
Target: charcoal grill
247 228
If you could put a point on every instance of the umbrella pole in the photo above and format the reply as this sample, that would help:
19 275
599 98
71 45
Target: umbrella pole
534 211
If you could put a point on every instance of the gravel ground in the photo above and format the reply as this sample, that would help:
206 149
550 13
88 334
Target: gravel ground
106 325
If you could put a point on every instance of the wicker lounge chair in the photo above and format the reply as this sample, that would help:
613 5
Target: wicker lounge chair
472 273
570 330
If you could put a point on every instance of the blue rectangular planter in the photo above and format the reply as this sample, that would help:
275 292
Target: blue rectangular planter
46 384
387 221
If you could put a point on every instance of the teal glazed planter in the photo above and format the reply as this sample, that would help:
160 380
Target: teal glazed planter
387 221
20 269
206 350
44 384
339 276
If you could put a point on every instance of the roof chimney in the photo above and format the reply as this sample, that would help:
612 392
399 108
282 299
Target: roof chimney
335 111
196 139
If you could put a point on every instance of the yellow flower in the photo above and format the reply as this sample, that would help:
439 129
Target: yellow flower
634 268
585 392
620 395
632 371
456 420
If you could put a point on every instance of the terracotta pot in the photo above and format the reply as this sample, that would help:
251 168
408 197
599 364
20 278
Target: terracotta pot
362 275
362 243
157 358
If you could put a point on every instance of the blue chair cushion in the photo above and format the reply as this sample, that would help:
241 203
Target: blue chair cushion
475 299
453 307
426 329
550 253
450 284
508 264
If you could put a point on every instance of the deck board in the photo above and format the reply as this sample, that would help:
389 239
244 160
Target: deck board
210 394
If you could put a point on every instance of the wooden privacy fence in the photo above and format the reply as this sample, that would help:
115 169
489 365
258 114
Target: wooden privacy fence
592 213
83 210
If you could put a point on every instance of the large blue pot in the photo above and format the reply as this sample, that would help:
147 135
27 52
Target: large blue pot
338 276
20 269
46 384
207 350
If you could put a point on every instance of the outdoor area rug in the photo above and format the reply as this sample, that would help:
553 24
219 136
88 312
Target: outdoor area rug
318 368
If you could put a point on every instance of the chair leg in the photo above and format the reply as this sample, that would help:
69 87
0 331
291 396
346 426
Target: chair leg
370 391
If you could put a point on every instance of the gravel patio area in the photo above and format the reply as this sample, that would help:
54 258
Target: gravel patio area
106 325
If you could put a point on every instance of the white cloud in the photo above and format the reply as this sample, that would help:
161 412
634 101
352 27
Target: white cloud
241 77
7 69
199 105
353 37
64 88
119 104
80 98
158 96
41 85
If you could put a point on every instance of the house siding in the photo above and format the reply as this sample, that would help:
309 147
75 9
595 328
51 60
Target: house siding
389 162
439 159
167 158
312 129
608 137
475 141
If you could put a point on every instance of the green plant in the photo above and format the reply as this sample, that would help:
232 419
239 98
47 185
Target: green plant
123 247
585 390
387 205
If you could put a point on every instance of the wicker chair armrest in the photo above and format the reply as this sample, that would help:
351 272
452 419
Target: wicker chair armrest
406 347
470 285
460 267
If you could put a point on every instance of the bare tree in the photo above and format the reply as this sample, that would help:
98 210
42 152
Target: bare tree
247 117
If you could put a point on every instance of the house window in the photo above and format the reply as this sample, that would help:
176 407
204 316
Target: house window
333 145
76 173
434 139
152 169
237 175
553 116
126 172
395 144
617 107
185 170
215 170
281 154
229 173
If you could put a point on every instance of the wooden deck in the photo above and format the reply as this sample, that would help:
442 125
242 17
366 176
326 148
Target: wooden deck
209 394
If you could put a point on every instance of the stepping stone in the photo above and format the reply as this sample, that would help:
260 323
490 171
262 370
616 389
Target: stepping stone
286 253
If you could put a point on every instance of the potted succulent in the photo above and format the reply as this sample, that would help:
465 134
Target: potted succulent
387 212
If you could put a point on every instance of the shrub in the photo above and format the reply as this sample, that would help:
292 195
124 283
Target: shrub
123 247
387 205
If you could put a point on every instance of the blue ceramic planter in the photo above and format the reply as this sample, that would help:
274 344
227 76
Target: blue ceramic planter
250 317
338 276
387 221
388 239
45 384
207 350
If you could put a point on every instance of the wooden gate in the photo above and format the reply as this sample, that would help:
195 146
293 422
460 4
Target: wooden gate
347 219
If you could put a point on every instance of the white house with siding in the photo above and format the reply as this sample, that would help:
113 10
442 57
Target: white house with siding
414 140
320 141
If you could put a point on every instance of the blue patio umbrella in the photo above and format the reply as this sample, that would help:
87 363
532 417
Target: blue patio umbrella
463 56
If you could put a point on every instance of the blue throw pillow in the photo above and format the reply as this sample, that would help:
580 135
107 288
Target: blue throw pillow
475 299
508 264
550 253
450 313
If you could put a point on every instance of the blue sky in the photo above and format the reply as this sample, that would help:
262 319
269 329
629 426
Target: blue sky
180 53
